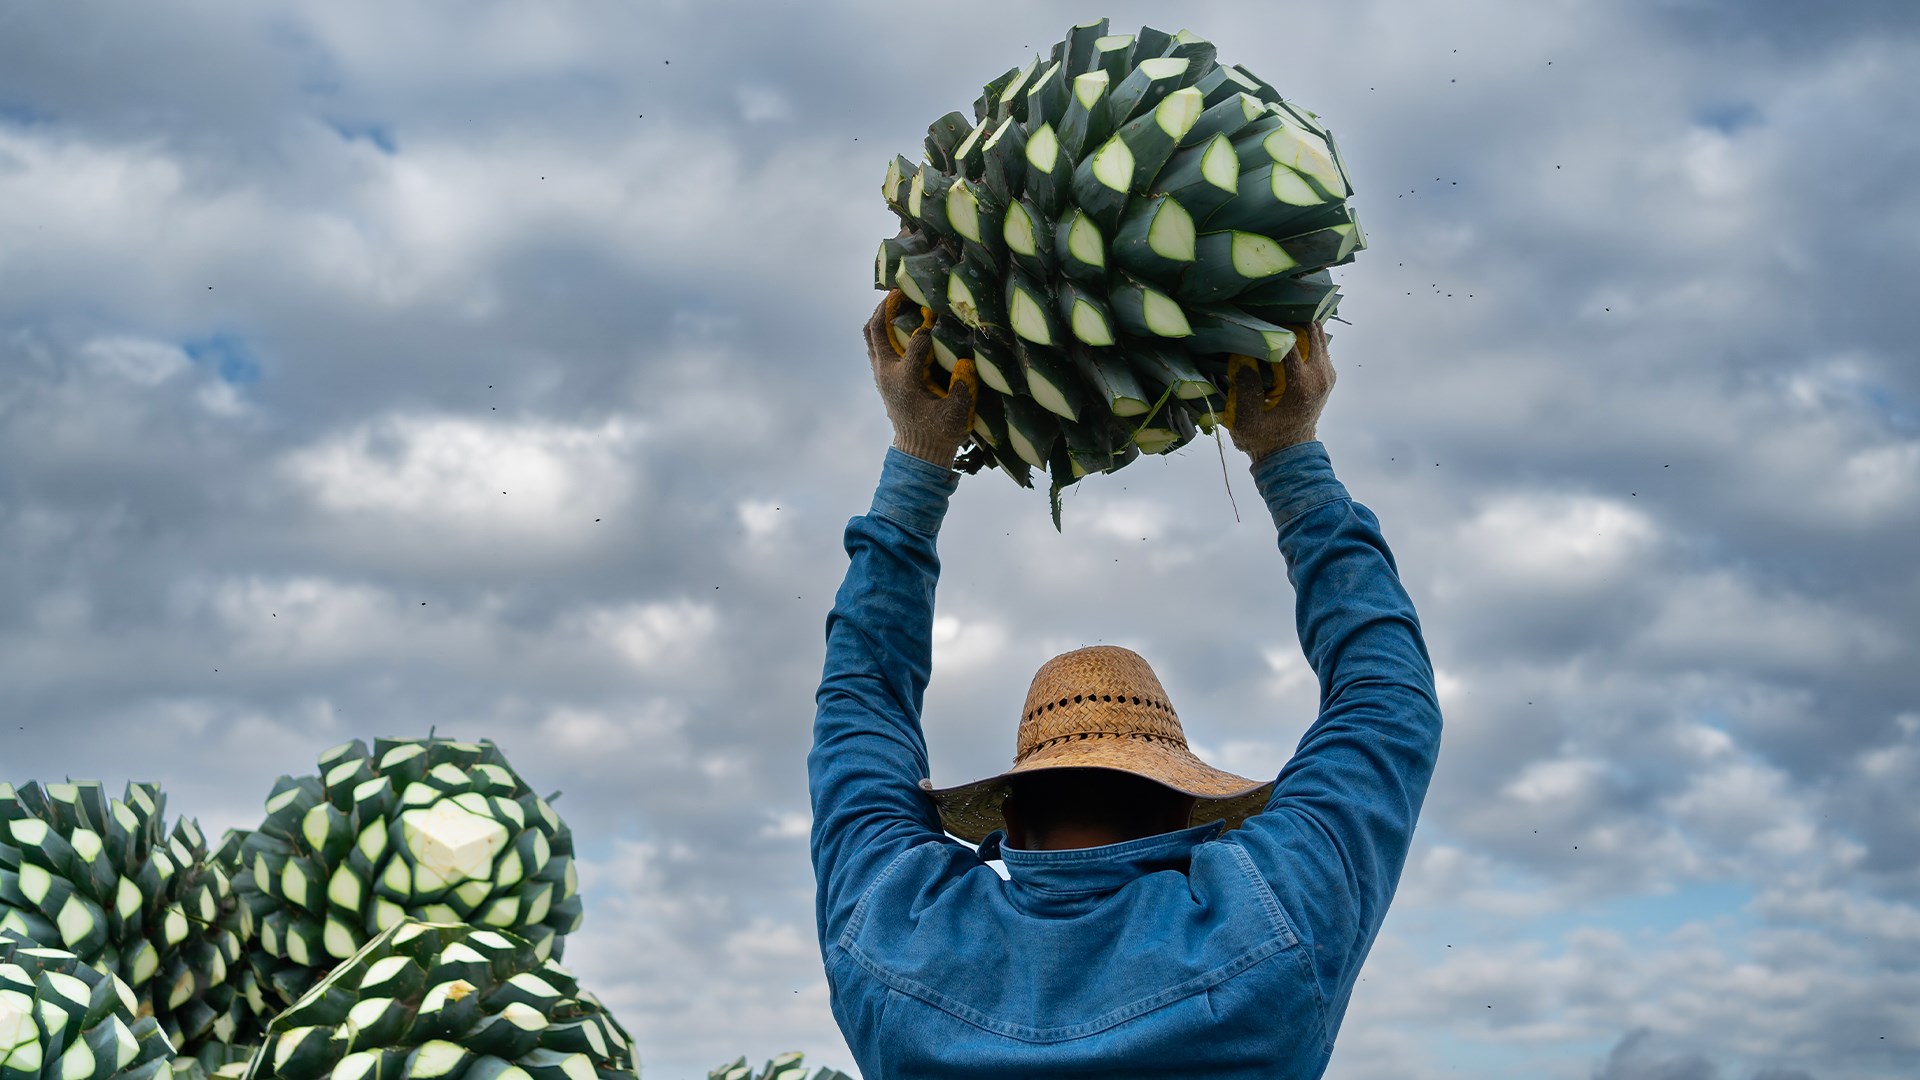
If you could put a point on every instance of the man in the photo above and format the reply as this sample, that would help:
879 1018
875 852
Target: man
1159 918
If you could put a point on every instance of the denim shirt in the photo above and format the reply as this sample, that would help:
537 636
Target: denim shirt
1204 952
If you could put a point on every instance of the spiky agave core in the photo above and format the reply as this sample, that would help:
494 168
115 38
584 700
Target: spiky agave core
789 1066
63 1019
105 880
1120 220
445 1001
215 1061
413 828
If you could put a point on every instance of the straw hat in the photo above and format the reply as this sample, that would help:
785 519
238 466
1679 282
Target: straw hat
1100 707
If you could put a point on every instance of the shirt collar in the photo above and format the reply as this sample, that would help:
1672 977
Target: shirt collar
1099 869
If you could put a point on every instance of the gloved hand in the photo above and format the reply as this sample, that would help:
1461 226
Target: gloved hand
925 424
1261 422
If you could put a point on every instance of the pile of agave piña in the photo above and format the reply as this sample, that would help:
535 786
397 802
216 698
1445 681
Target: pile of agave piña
1121 226
399 914
784 1067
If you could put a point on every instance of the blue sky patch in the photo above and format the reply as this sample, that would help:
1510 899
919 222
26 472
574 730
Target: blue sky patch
1728 117
22 114
1722 904
380 135
229 355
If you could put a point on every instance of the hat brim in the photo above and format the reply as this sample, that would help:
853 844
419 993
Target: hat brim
971 811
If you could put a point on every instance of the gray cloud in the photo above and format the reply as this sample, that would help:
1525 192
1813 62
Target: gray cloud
1637 1056
1631 1060
290 297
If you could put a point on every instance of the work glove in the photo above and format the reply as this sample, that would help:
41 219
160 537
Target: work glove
928 423
1262 421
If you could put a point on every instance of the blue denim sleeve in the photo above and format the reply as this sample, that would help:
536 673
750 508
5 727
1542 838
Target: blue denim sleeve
869 755
1335 836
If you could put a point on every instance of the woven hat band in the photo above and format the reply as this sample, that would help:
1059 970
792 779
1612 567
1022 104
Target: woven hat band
1082 736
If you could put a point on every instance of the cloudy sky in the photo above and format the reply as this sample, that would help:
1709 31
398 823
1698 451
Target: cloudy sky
495 367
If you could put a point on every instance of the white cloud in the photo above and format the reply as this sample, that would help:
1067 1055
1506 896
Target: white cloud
960 646
759 104
761 518
221 399
433 45
656 636
1451 688
765 946
1291 677
1125 520
586 732
308 620
139 361
461 482
788 826
1568 783
1658 549
1881 479
1742 803
1555 544
1881 923
1718 616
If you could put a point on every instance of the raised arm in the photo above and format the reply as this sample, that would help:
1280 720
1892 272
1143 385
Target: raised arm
1336 833
869 754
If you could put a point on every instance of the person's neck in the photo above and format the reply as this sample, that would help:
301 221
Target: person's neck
1074 837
